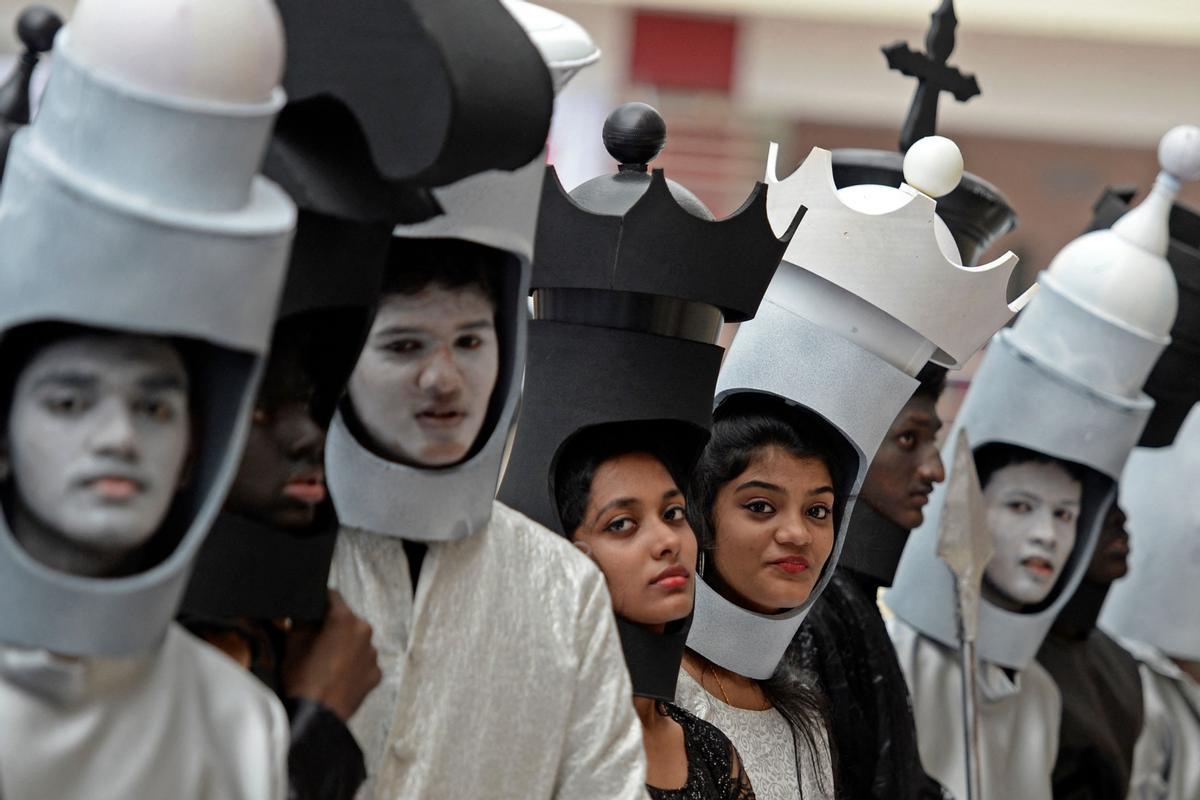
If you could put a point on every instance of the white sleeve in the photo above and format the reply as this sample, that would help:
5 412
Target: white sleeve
1152 752
602 754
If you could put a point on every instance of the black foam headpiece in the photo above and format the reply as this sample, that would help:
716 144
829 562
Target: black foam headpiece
632 278
386 100
1175 381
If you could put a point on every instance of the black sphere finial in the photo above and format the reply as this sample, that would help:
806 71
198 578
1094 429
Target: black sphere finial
36 28
634 134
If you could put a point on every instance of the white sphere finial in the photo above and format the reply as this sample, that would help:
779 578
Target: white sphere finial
1179 153
222 50
933 166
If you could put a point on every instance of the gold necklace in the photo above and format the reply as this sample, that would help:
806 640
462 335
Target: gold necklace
724 695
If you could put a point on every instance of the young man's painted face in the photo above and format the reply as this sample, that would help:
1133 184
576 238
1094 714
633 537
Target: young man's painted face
423 383
98 437
636 529
774 531
1032 511
281 480
1111 559
907 465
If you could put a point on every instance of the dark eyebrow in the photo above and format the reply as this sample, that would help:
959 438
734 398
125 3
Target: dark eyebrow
162 383
667 495
393 330
821 490
620 502
479 323
76 380
770 487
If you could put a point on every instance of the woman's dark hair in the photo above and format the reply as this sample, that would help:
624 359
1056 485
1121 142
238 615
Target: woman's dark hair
582 454
743 426
995 456
414 264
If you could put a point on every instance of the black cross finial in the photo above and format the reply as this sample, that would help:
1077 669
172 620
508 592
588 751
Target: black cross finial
933 75
36 28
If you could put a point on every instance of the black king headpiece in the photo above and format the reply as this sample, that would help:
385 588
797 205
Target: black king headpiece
632 278
976 213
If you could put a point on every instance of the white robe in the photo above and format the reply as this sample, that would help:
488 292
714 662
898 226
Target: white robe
184 722
1166 759
1018 719
503 677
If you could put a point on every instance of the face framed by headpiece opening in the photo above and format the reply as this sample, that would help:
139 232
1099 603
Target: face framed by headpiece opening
97 441
908 464
768 495
281 478
618 493
1033 504
422 390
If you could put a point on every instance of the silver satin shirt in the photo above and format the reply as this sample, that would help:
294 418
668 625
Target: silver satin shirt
1018 719
1166 759
503 677
184 722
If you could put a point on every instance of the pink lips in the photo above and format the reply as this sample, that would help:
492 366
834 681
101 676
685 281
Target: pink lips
309 489
441 419
1038 566
116 488
792 565
674 577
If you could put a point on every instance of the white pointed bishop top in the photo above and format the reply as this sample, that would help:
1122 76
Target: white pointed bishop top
889 276
1110 298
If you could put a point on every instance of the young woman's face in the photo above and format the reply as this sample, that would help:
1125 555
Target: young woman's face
98 436
774 531
1032 510
636 530
422 385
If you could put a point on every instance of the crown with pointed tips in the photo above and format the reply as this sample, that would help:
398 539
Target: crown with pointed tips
659 247
892 261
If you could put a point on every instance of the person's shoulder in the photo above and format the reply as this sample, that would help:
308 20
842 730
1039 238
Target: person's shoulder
214 671
533 544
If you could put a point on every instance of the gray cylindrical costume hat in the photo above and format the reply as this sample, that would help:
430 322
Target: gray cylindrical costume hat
632 279
133 207
331 150
1175 381
841 333
1065 381
497 209
1156 602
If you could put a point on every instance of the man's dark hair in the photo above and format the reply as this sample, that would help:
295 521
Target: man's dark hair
933 381
995 456
415 264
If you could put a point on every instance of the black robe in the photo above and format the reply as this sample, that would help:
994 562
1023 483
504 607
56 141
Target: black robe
1102 701
844 644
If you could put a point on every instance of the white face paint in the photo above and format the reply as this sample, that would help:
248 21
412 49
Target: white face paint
1032 511
422 385
98 435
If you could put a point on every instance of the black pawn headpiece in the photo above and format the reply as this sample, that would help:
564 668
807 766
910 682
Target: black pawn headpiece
36 28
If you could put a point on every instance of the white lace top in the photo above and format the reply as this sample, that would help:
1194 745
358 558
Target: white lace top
764 741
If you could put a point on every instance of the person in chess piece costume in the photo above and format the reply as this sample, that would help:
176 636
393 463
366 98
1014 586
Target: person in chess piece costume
337 150
1150 613
1098 679
131 213
806 395
844 643
643 299
1053 413
435 564
617 488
